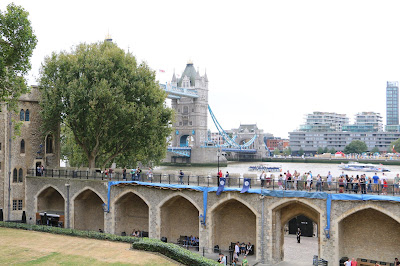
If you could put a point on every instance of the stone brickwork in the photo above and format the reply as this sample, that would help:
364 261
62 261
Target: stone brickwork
230 217
25 158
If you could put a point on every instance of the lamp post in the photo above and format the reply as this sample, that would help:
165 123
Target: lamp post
9 165
67 186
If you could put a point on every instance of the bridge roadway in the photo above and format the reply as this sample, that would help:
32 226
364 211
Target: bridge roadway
347 226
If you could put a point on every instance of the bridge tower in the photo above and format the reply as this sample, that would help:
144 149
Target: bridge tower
190 113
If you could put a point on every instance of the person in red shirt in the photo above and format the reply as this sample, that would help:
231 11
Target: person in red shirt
353 262
220 174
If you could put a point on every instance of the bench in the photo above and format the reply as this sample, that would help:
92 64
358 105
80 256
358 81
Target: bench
367 262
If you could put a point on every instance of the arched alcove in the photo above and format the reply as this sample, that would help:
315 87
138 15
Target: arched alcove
131 213
179 217
88 211
233 221
361 232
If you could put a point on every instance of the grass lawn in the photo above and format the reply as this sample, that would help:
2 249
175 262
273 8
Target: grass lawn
21 247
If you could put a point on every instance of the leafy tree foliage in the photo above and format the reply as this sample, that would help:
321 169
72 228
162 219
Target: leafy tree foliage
17 42
376 149
320 150
277 152
111 107
356 146
301 152
287 151
332 150
396 145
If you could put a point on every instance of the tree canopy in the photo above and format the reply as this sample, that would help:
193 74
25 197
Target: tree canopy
109 107
396 145
356 146
17 42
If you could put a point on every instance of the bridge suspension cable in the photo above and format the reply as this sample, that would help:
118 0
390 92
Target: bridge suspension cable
231 142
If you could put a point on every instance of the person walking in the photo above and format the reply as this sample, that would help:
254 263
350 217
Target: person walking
124 174
262 178
376 182
298 234
329 180
362 184
396 184
181 174
150 174
319 183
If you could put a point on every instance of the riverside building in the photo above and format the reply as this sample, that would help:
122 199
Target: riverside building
367 128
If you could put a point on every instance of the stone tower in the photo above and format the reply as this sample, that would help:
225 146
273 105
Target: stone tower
191 113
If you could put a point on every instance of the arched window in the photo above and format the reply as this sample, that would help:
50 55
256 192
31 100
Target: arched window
22 150
20 175
49 144
15 175
22 115
27 115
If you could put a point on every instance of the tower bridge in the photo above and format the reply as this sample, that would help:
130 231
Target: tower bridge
190 142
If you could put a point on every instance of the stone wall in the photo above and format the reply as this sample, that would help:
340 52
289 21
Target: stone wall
231 217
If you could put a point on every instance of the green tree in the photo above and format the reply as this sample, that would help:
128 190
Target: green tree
326 150
17 42
332 150
301 152
277 152
113 107
320 150
287 151
396 145
376 149
356 146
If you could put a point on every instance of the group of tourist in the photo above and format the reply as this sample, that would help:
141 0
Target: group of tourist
345 183
191 241
136 233
353 262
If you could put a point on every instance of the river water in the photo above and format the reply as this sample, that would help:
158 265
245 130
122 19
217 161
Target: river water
242 168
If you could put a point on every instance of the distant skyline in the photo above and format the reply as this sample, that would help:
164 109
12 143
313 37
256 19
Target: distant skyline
268 62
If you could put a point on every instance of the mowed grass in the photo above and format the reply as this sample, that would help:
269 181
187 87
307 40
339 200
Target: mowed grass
21 247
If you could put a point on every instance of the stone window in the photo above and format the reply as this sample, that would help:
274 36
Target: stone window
22 150
49 144
185 110
15 205
20 175
27 115
20 204
22 115
15 175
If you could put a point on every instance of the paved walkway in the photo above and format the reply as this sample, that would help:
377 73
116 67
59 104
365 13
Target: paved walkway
295 254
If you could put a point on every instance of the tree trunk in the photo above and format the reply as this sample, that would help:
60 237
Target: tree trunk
92 162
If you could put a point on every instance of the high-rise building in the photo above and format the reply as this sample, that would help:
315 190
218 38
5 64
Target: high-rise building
392 103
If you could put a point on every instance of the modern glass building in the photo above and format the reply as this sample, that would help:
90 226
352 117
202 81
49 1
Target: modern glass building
392 103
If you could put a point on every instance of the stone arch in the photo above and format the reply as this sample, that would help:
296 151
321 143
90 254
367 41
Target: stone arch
233 211
131 212
282 212
43 189
179 216
87 210
49 199
179 194
360 229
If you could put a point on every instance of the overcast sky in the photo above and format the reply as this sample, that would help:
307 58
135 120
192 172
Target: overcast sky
268 62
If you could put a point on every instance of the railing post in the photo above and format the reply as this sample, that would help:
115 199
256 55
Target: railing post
169 179
188 180
273 184
198 181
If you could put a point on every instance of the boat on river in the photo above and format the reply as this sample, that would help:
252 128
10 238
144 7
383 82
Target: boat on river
265 168
363 167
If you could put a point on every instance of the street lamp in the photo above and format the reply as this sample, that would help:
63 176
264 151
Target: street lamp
67 186
218 154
